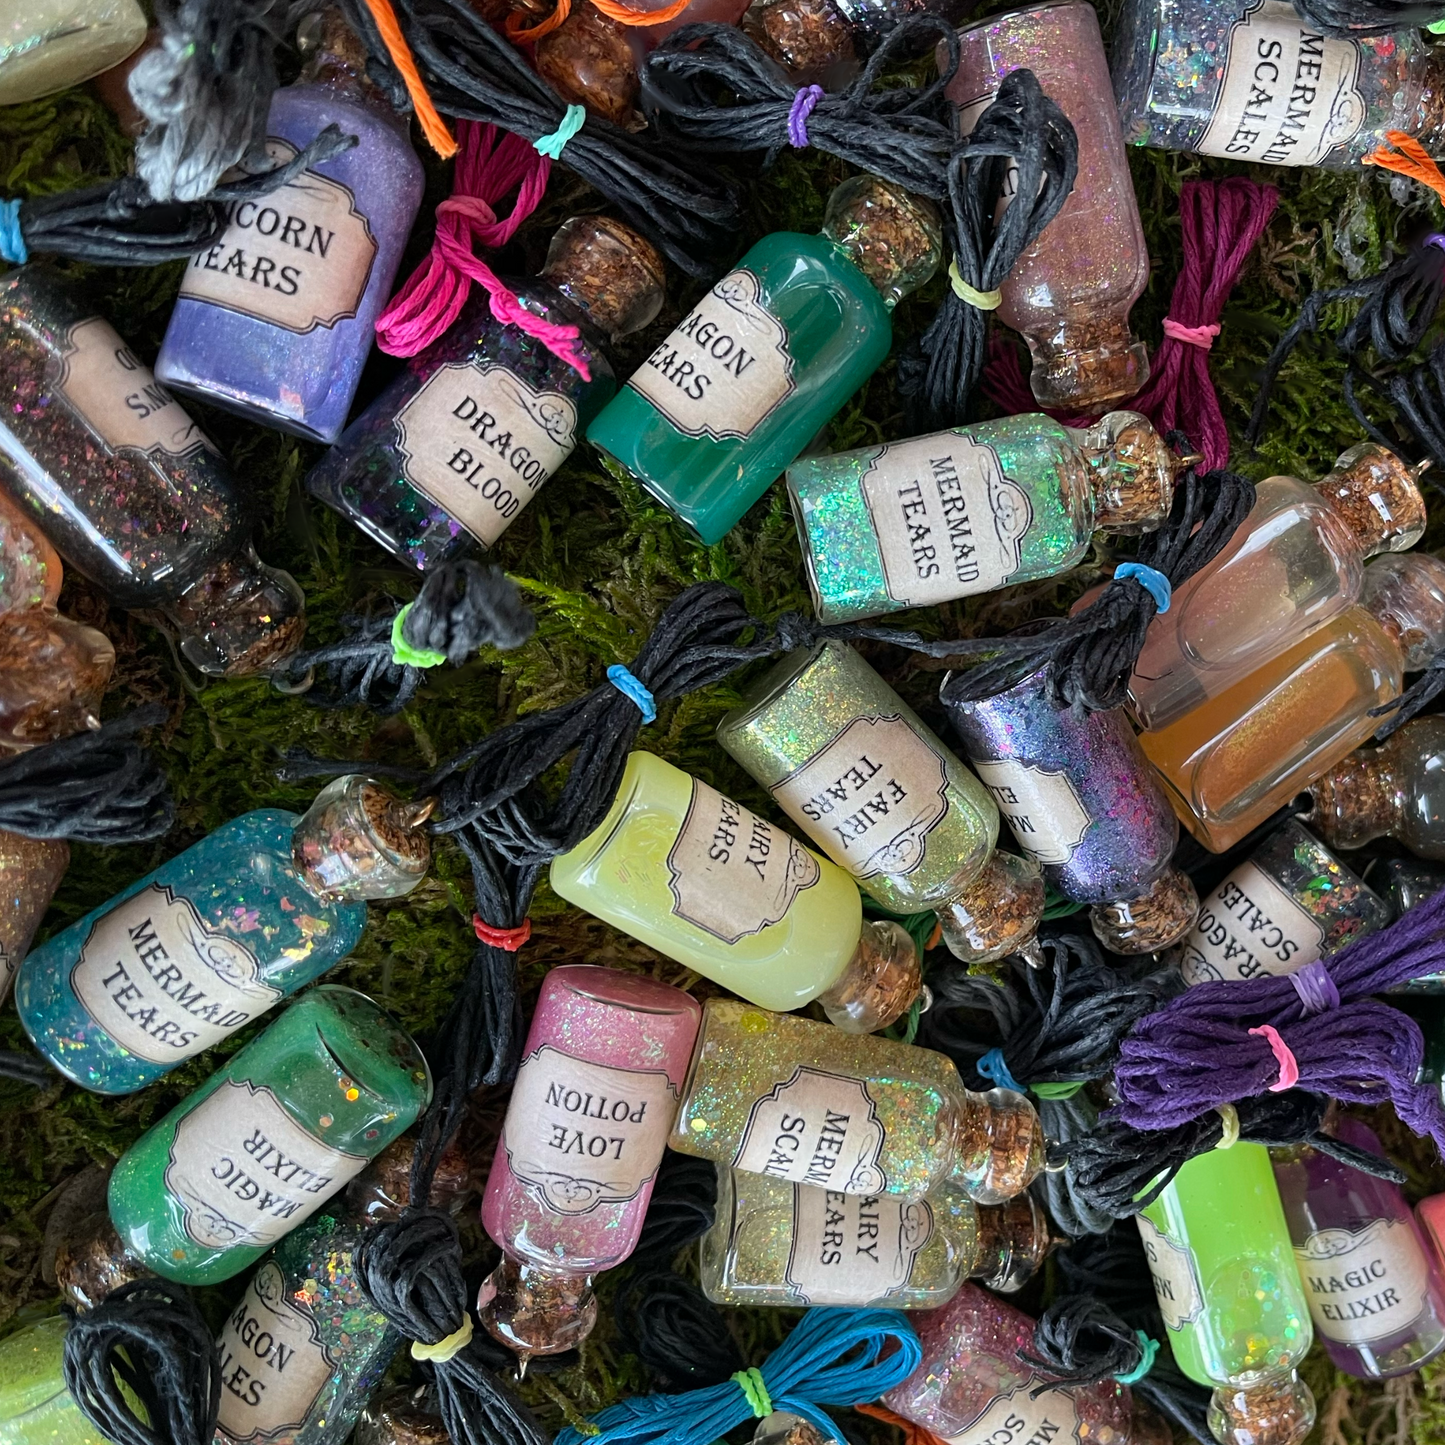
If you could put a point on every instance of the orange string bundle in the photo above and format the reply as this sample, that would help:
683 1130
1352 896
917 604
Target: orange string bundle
433 127
1413 161
517 29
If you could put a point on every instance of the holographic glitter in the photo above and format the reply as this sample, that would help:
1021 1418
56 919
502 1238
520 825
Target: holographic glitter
30 574
34 1403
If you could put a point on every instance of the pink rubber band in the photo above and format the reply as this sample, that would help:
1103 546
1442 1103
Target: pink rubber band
1288 1067
1200 336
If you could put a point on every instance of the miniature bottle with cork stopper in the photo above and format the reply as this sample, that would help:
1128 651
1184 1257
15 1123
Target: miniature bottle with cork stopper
775 1094
30 571
275 320
705 881
856 768
218 935
468 433
587 1123
50 45
743 384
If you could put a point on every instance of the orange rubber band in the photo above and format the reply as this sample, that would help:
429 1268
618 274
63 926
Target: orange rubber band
518 32
1413 161
433 127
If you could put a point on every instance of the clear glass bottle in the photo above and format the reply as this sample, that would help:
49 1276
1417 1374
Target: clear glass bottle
403 1417
1227 1285
586 1127
1290 902
1082 802
1231 761
780 1095
1249 80
466 435
30 572
269 1138
1070 293
774 1243
961 512
1297 560
703 880
128 488
745 382
1376 1298
218 935
275 321
49 45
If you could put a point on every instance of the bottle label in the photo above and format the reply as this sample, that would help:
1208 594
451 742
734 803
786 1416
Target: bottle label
870 797
480 442
816 1128
1019 1419
161 983
1176 1279
854 1249
1290 94
118 398
1247 927
299 258
273 1364
726 369
1364 1285
1040 805
583 1134
949 522
732 873
246 1173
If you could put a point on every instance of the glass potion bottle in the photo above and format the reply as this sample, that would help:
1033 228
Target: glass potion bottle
856 769
1231 761
1070 293
1297 560
36 1408
470 430
127 487
744 383
1401 882
275 321
1290 902
776 1094
703 880
1376 1299
30 571
218 935
1230 1293
774 1243
269 1138
1250 80
1082 802
49 45
586 1127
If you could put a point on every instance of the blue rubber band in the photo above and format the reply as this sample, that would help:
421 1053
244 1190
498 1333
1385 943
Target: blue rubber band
1156 584
12 243
551 145
629 686
1148 1349
995 1070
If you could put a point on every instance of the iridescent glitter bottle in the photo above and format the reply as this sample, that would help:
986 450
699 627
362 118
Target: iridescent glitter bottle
1291 902
48 45
735 393
1080 800
217 936
703 880
269 1138
1070 293
808 1104
30 572
466 436
127 486
275 320
1227 1285
586 1127
854 766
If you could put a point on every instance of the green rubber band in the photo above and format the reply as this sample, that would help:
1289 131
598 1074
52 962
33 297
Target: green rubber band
551 145
1148 1349
1062 1090
403 654
750 1382
1436 27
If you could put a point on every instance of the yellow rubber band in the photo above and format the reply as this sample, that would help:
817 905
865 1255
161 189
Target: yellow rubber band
443 1350
1229 1116
984 300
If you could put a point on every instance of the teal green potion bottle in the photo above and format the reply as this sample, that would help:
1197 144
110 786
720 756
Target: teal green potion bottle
1229 1290
269 1138
767 357
217 936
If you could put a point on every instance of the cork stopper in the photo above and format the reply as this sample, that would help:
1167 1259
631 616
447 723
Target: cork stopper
1276 1412
1087 367
1132 472
1152 922
92 1261
53 674
1377 496
998 913
534 1310
403 1417
811 39
606 268
1014 1239
893 237
879 983
998 1145
358 840
1406 596
1358 799
591 60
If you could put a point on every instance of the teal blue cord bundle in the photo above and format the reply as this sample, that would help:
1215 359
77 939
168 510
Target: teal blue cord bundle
833 1357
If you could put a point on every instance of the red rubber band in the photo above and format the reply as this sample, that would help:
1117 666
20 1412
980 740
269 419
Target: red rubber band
1288 1066
510 939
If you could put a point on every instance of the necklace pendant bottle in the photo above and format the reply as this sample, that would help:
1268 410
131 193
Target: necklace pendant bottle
804 1103
217 936
1070 293
469 432
1082 802
269 1138
710 884
30 572
586 1126
50 45
854 766
275 321
730 398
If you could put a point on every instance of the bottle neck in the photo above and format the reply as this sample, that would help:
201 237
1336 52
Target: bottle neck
536 1310
1357 800
878 984
996 1143
1377 498
997 912
1276 1411
1013 1241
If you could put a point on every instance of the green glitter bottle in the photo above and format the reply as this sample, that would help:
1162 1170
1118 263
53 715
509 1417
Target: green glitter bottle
856 768
35 1406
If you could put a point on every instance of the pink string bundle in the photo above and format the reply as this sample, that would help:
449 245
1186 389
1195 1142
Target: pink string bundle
490 162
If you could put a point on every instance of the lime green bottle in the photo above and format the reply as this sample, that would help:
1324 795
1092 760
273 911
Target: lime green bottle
35 1406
